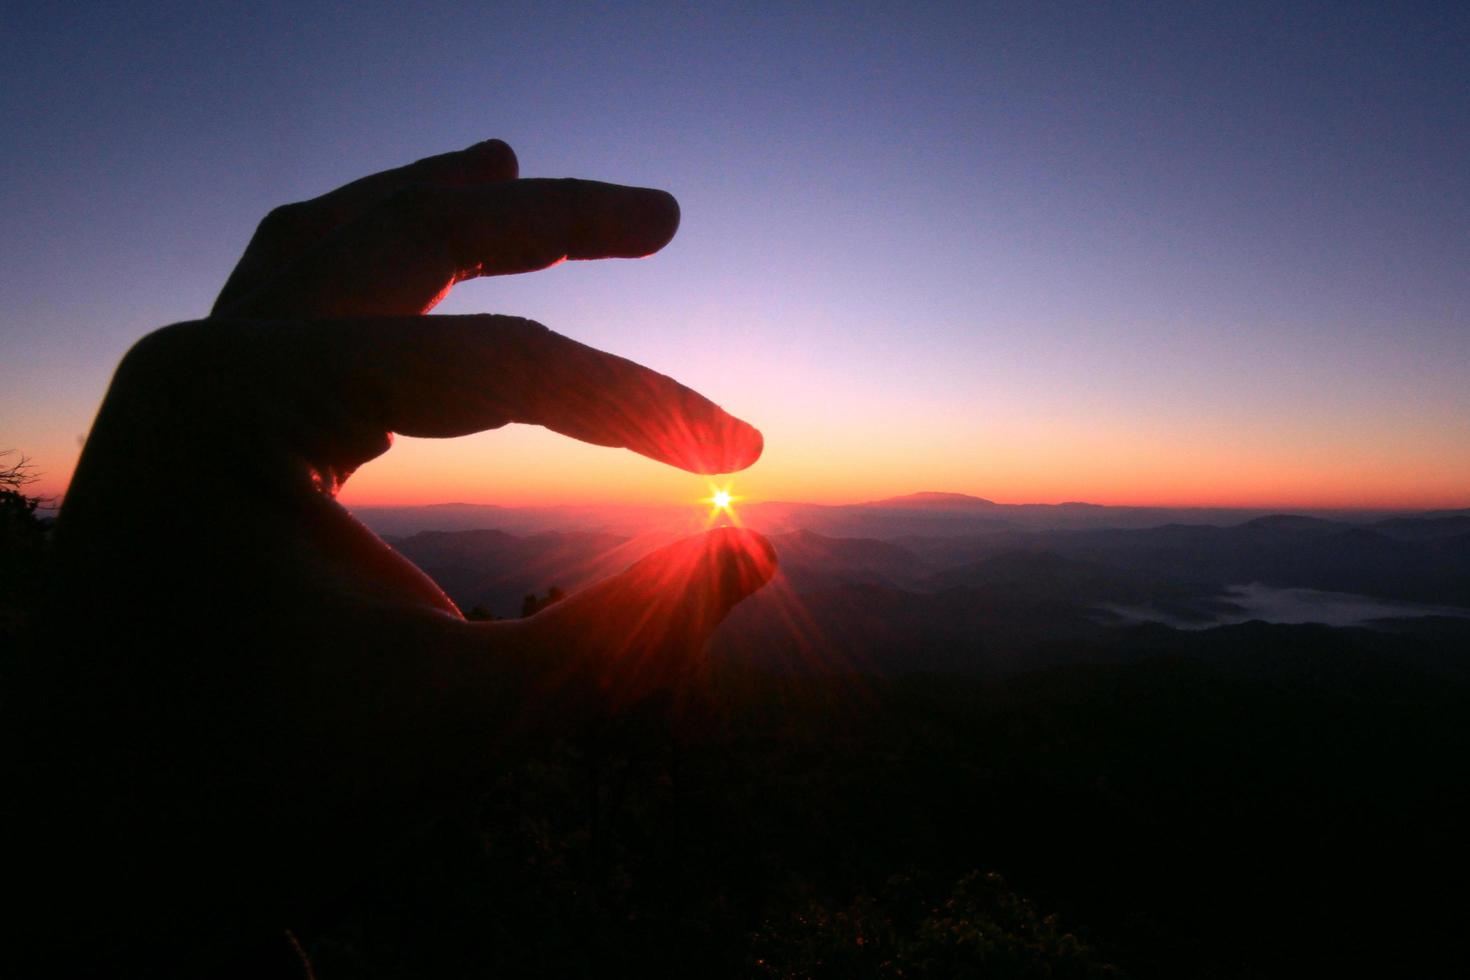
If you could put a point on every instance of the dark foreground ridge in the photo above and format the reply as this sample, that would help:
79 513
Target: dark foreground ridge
1279 803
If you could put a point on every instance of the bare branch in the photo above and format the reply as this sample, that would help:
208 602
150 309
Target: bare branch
15 475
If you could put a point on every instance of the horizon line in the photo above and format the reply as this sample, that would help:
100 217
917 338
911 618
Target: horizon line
978 502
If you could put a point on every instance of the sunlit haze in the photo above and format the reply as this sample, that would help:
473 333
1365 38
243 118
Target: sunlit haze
1119 254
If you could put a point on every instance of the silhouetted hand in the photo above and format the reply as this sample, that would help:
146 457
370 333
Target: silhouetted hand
274 679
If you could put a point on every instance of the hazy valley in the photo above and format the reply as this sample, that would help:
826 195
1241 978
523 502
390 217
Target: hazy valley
946 582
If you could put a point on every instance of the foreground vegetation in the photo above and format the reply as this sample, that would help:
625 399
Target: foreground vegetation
1297 809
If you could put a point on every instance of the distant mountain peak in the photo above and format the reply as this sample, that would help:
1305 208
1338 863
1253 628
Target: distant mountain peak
936 500
460 505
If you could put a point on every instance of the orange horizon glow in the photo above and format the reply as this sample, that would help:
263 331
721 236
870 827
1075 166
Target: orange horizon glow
834 500
568 474
363 492
525 467
805 493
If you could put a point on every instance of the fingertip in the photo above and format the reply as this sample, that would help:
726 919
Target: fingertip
496 158
747 446
718 443
746 560
736 445
663 215
650 221
744 542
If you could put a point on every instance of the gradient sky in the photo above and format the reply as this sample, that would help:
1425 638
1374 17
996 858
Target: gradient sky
1161 254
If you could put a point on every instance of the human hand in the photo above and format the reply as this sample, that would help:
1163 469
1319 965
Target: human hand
315 353
244 613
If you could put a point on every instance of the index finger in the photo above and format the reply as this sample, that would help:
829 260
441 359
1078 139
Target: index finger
464 371
344 383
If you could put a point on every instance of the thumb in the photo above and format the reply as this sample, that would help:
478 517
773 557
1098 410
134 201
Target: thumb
644 630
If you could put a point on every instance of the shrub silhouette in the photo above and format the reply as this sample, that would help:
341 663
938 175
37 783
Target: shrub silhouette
532 604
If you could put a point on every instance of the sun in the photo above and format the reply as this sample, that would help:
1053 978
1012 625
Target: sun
721 505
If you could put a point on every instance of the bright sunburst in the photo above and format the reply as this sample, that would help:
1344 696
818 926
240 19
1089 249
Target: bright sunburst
721 504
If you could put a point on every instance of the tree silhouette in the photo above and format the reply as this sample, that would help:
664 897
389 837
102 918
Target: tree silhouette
24 541
532 604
